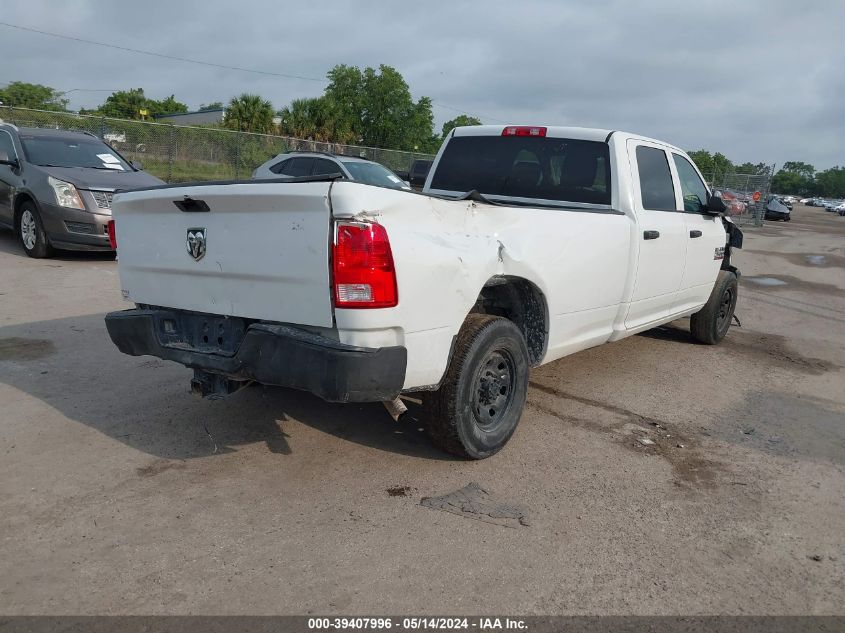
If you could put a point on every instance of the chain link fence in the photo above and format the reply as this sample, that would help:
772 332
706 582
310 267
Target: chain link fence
739 192
178 153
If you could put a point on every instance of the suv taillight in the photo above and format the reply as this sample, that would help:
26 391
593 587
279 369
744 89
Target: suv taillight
362 262
112 235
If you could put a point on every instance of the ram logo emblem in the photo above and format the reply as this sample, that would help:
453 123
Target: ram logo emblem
195 243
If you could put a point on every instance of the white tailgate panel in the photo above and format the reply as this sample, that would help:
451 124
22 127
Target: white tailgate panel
266 250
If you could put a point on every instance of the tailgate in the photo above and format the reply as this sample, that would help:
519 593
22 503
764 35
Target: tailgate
260 250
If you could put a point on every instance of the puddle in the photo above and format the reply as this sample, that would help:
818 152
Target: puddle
792 284
25 348
775 350
399 491
766 281
807 260
474 502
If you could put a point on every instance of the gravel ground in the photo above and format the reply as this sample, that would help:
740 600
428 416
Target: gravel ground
123 494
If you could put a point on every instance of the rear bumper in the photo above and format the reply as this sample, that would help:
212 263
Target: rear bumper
275 355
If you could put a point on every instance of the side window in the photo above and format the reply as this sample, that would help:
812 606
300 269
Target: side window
656 188
280 168
7 147
693 189
323 167
299 167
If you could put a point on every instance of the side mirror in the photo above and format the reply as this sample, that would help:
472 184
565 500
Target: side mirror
11 162
715 206
136 165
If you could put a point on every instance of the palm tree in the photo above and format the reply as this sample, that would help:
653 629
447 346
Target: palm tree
249 113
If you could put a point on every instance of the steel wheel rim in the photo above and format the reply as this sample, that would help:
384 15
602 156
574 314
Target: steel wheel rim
725 309
493 389
28 229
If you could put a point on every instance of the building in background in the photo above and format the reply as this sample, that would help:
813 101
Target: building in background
200 117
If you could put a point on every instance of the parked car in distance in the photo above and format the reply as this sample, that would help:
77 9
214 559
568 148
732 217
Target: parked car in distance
56 188
419 172
298 164
840 208
526 244
777 210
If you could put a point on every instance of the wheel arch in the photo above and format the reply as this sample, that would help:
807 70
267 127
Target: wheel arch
20 198
522 302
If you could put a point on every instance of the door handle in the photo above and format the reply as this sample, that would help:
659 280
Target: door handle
651 235
695 233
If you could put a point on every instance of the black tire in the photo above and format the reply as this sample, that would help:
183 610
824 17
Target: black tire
31 234
475 411
710 324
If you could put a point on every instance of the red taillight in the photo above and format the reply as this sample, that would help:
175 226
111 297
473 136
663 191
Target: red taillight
364 276
523 130
112 236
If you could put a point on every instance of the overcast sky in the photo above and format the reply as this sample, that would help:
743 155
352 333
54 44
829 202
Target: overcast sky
760 80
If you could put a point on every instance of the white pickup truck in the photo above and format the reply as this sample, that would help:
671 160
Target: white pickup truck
526 244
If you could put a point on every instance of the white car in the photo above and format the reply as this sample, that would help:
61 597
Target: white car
299 164
526 244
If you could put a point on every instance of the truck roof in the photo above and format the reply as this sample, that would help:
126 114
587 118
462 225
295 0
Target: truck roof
559 131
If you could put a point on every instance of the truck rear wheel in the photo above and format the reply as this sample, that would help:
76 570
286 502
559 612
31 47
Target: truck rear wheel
710 324
480 401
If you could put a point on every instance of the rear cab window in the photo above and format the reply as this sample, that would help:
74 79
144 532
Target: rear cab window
534 168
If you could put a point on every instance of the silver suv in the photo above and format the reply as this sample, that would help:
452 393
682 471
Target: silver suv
297 164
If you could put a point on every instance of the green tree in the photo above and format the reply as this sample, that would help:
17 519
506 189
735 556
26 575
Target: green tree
831 182
249 113
714 166
458 121
166 106
389 116
803 169
124 104
25 95
755 169
316 119
795 177
130 104
214 105
370 107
